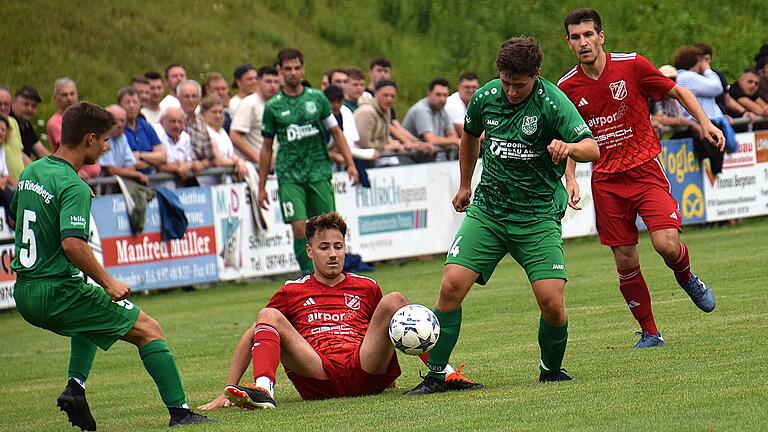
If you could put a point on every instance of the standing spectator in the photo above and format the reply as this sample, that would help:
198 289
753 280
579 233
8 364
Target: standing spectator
456 105
725 102
246 80
346 120
761 64
338 78
189 92
146 147
216 84
297 115
354 88
428 121
64 95
744 91
212 113
174 74
245 131
119 160
373 119
7 184
14 150
151 110
141 84
180 159
379 69
24 110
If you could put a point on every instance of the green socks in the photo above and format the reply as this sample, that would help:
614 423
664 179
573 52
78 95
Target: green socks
450 326
552 341
300 249
81 355
159 362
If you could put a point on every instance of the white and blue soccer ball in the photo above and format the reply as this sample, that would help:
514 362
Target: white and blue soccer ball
414 329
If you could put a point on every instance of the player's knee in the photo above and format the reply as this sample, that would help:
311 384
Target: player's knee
395 300
450 297
149 329
669 248
554 313
271 316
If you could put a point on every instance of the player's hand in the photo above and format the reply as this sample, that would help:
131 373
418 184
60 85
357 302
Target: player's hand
572 187
714 135
220 401
264 199
354 176
117 290
461 200
559 150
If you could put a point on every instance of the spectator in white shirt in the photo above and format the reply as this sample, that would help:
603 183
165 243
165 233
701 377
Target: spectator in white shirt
456 105
212 112
178 148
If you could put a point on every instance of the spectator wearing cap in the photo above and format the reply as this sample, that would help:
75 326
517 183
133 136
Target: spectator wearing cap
245 131
174 74
372 119
744 91
64 95
151 110
141 137
216 84
456 105
118 160
15 158
24 110
246 80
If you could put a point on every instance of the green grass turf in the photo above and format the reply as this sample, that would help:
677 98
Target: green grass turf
710 376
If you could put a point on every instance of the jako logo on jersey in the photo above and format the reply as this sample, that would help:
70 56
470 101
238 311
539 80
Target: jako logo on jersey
310 107
558 267
529 124
296 132
618 89
492 122
352 301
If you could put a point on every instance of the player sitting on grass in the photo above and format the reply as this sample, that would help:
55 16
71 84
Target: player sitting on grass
52 208
329 329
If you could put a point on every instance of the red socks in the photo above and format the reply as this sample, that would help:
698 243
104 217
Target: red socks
635 292
682 266
265 351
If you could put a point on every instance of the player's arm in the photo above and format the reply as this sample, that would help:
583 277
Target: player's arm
237 367
585 150
81 255
469 151
689 102
265 157
238 139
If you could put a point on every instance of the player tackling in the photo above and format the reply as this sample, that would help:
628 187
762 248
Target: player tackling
611 92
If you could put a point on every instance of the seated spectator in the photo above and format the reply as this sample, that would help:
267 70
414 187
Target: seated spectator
668 112
141 137
216 84
64 95
24 110
245 131
189 92
212 113
7 184
761 65
379 69
372 119
119 160
174 74
725 102
428 121
346 120
744 91
180 159
694 73
354 88
456 105
246 80
151 110
14 150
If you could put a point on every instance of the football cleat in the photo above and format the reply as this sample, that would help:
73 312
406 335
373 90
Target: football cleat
457 381
699 292
649 340
185 416
553 376
72 401
429 385
249 398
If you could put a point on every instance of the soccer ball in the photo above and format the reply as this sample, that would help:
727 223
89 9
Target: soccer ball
414 329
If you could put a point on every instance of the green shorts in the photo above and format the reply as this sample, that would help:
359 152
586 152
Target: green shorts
72 307
482 241
303 201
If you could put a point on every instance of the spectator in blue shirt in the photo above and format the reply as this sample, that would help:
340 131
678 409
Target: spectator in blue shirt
119 160
146 146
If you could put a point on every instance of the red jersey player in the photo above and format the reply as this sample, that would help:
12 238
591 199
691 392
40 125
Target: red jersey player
329 329
611 92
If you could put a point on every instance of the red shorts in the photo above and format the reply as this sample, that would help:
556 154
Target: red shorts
620 197
347 377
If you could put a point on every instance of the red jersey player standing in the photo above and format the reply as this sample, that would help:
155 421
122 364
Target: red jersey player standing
611 91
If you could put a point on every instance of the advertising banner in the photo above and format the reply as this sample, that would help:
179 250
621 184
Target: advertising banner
735 192
761 148
685 178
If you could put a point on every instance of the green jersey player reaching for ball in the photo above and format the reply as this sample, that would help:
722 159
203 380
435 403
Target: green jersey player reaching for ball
531 129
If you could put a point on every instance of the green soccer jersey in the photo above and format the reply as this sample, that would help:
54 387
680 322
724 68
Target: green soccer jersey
299 123
519 180
51 204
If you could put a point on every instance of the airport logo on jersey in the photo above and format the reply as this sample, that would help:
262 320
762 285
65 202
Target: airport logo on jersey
352 301
529 125
618 89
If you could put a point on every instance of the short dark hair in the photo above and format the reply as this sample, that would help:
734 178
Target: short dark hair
152 75
751 70
438 82
126 91
706 49
266 70
380 61
468 76
687 56
335 71
519 56
139 79
355 74
171 66
334 93
289 54
385 83
579 16
83 118
325 222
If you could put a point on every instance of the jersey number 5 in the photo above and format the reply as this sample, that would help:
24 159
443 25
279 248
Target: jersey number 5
28 256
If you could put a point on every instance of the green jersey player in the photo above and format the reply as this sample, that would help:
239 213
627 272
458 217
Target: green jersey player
297 116
531 129
51 209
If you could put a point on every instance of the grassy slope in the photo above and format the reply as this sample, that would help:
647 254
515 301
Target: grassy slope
711 376
102 44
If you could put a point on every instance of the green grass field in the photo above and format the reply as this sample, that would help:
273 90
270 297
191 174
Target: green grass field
711 375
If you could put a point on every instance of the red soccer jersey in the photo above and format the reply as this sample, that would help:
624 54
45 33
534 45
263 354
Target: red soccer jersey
615 107
331 318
